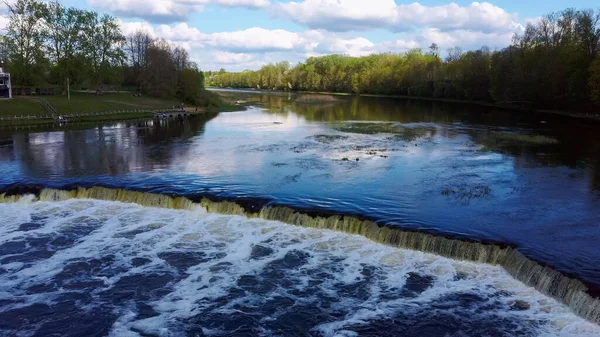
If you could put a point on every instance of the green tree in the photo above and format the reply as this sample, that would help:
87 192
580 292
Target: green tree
62 31
159 77
548 66
25 40
4 57
103 46
595 81
191 84
137 47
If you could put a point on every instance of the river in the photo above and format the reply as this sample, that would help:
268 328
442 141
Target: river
524 181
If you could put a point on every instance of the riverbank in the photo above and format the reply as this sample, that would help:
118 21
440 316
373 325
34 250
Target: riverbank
583 115
87 107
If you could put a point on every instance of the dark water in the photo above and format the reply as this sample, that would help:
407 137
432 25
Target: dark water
518 178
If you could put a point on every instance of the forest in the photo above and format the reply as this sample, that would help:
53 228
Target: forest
51 45
553 64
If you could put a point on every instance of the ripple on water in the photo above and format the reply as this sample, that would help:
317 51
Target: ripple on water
113 271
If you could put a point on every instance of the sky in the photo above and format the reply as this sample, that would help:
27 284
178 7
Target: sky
246 34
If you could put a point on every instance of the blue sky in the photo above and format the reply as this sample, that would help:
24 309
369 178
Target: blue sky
245 34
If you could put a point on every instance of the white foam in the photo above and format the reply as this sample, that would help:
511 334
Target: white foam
126 231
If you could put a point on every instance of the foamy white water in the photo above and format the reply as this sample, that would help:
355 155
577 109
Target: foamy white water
87 267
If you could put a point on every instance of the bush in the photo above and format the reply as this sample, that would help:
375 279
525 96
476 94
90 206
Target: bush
207 99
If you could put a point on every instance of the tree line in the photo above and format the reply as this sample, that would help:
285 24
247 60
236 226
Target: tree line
49 44
553 64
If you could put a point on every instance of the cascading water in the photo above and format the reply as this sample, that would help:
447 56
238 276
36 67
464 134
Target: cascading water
571 292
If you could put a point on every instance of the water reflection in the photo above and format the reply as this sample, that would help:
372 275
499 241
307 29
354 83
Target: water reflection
526 179
578 139
105 149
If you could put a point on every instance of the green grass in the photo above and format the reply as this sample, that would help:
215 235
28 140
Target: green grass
328 139
134 115
398 132
212 102
113 117
515 138
368 128
81 102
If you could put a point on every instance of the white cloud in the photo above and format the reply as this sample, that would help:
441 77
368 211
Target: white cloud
399 45
166 11
241 3
257 39
532 21
181 32
128 28
464 38
347 15
354 47
3 17
332 44
254 47
224 57
3 23
339 15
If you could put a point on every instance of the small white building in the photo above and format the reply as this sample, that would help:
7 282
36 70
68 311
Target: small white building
5 87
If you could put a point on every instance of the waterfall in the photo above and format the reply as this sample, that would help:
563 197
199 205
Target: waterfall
570 291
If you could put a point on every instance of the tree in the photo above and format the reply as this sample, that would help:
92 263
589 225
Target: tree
587 29
159 78
434 50
25 40
180 58
454 54
191 83
595 81
103 46
4 57
137 50
84 46
62 27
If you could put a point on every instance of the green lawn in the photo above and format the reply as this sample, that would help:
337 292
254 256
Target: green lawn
81 102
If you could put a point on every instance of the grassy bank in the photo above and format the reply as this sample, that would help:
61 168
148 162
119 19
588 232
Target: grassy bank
211 102
83 102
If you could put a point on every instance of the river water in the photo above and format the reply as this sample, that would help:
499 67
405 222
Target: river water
108 268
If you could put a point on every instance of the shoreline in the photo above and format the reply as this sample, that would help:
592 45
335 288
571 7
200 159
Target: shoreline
83 119
87 107
43 121
580 115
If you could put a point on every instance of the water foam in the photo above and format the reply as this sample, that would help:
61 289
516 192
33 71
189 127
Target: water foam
165 272
569 291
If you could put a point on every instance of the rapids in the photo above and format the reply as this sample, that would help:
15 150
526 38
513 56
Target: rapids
121 269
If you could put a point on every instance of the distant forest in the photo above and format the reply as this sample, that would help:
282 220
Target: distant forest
554 64
48 44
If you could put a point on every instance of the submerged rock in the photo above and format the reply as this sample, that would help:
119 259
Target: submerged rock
519 305
259 251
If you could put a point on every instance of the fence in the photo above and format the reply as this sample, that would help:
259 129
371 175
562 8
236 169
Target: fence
90 114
